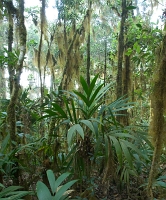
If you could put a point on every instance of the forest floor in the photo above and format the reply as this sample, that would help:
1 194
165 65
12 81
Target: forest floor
106 191
110 191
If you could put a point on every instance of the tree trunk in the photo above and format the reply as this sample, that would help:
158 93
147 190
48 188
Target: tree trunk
10 42
105 66
11 110
42 29
88 44
121 49
157 127
43 35
126 86
2 68
2 84
105 62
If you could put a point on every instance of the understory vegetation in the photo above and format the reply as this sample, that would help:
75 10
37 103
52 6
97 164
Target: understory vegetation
81 136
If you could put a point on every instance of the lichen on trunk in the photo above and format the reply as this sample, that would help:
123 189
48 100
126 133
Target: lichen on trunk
121 48
11 118
11 109
157 127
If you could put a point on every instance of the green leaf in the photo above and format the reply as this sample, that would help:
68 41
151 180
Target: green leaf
18 195
133 172
19 123
2 186
4 114
120 104
139 26
72 130
160 184
131 7
92 84
126 153
125 175
58 109
128 52
137 47
83 97
51 179
88 124
113 117
8 190
133 147
68 109
98 121
84 85
117 147
93 109
95 94
50 112
84 112
71 134
102 92
43 192
60 179
80 103
125 135
162 178
5 143
62 190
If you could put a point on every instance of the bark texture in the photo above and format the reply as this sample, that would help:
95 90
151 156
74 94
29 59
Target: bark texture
88 44
158 110
121 49
11 119
15 87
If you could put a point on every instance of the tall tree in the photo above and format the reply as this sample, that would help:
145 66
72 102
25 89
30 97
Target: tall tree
12 11
158 109
11 110
2 67
88 43
121 43
39 53
19 66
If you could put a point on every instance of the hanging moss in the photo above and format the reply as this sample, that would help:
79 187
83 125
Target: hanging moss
42 58
70 57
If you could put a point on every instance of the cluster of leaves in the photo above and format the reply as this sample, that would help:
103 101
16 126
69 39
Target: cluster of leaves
12 193
142 41
58 191
9 58
85 114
